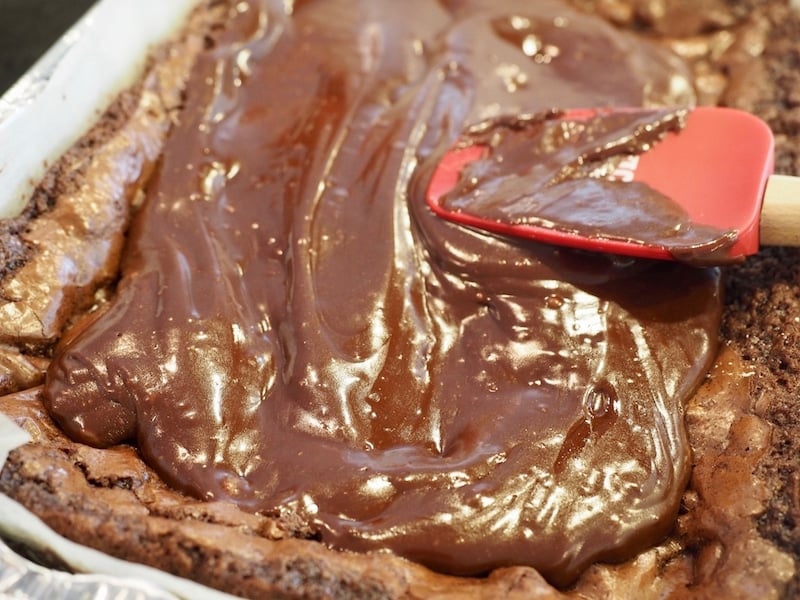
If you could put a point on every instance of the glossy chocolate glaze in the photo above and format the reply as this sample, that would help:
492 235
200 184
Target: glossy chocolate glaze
294 330
557 171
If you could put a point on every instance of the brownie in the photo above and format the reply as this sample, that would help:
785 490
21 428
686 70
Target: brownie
736 532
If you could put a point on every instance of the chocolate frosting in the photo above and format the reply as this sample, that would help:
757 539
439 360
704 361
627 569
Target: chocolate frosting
293 330
570 173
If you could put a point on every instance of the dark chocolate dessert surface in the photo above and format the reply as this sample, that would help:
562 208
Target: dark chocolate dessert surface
435 320
294 331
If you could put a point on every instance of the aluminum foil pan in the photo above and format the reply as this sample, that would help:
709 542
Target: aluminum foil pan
23 580
44 113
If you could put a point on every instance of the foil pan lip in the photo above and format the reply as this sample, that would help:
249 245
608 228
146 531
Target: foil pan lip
25 580
72 83
34 80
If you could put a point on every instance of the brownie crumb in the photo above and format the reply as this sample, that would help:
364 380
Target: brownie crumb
762 320
762 317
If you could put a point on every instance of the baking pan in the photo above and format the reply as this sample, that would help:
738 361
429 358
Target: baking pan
57 100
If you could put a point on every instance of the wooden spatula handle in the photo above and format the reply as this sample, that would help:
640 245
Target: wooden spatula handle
780 212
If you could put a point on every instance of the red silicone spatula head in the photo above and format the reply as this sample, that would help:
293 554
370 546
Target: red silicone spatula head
715 168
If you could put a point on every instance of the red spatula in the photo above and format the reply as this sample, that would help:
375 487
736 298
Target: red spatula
688 184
